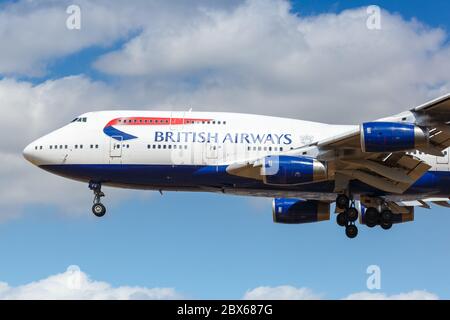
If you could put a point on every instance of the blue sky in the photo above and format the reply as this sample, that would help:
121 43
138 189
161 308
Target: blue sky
214 246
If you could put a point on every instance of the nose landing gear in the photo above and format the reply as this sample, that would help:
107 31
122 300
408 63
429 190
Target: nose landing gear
98 209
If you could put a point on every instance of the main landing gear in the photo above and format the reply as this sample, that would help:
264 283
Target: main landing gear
98 209
348 217
373 217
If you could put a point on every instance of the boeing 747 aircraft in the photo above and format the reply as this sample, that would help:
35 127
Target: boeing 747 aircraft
376 172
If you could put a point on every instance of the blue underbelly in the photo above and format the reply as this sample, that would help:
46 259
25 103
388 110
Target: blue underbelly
190 176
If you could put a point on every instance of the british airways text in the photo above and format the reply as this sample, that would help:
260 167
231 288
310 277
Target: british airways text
215 137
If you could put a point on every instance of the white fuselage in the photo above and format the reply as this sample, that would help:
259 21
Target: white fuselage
176 139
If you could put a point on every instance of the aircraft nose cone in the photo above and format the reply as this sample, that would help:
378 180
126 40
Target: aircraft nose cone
29 153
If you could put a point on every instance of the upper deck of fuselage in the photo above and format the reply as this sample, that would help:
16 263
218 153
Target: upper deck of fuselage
211 120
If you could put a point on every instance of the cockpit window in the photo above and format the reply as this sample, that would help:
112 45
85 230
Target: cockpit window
84 119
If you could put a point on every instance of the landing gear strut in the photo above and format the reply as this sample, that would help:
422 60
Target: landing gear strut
348 217
98 209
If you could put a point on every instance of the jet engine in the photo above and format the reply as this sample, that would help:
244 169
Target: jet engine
392 137
295 211
290 170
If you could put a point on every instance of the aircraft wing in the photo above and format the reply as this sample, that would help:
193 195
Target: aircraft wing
351 156
391 171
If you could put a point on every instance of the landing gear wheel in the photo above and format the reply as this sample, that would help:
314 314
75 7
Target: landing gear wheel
352 214
386 219
342 201
371 217
98 209
386 225
351 231
341 219
386 216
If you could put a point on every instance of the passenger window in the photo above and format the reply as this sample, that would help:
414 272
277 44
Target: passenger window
159 146
96 146
281 148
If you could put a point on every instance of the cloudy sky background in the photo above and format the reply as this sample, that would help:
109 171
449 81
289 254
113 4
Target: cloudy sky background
296 59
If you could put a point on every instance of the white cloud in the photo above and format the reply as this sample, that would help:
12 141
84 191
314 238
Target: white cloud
34 33
75 284
287 292
31 111
281 293
262 58
412 295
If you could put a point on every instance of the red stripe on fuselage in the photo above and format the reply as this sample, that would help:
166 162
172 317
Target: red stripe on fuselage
155 121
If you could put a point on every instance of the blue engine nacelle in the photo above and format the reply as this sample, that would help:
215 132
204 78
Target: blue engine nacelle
295 211
391 137
289 170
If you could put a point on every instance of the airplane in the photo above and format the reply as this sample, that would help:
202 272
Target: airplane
375 172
